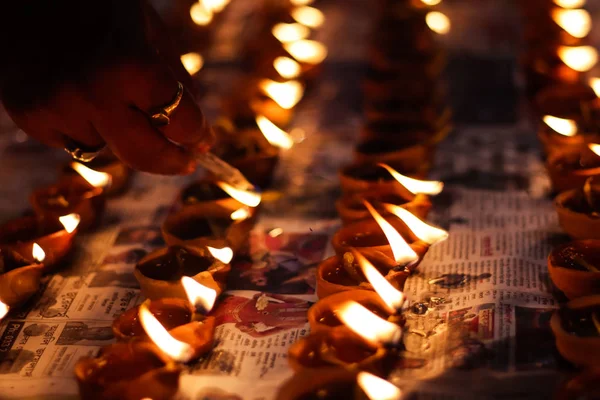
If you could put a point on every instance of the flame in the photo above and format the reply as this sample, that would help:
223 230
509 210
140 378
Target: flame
595 84
4 309
414 185
402 252
94 178
275 135
286 67
38 253
576 23
427 233
287 33
431 2
177 350
376 388
240 214
199 295
566 127
595 148
579 58
285 94
301 2
570 3
308 16
392 297
201 15
307 51
368 325
251 199
215 5
438 22
70 222
224 255
192 62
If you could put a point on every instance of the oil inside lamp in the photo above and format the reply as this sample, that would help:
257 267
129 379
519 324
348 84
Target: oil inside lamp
307 51
578 58
402 252
215 6
70 222
595 85
276 136
377 388
201 15
287 33
415 186
286 67
201 297
425 232
438 22
4 309
570 3
38 254
368 325
391 296
192 62
576 23
177 350
225 254
566 127
285 94
308 16
240 214
249 198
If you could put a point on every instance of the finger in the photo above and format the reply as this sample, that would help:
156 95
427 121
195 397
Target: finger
138 144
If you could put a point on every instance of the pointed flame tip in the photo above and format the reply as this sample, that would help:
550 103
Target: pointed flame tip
415 186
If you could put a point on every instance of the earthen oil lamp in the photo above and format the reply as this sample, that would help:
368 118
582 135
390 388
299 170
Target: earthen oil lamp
56 238
120 174
205 191
85 196
310 54
276 100
579 211
570 169
160 272
576 327
20 277
211 225
401 151
559 135
575 268
569 27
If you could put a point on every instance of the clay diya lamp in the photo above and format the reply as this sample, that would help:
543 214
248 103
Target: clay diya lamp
209 226
328 383
404 152
335 347
56 238
160 272
351 207
128 371
309 54
561 135
19 277
579 211
567 100
567 27
206 191
276 100
120 174
575 268
576 327
571 169
84 195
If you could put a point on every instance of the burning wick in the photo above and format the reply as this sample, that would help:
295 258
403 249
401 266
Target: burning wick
285 94
425 232
301 2
308 16
595 148
565 127
4 309
595 85
177 350
251 199
415 186
192 62
225 255
201 297
287 33
403 253
200 14
274 135
240 214
38 254
438 22
576 23
431 2
307 51
215 5
570 3
368 325
391 296
94 178
579 58
286 67
376 388
70 222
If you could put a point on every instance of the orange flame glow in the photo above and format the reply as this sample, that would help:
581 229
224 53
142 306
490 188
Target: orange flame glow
392 297
240 214
286 67
177 350
276 136
595 85
287 33
94 178
438 22
285 94
425 232
414 185
70 222
215 5
308 16
431 2
201 15
4 309
570 3
225 255
595 148
368 325
199 295
38 253
301 2
566 127
251 199
192 62
403 253
376 388
579 58
307 51
576 23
